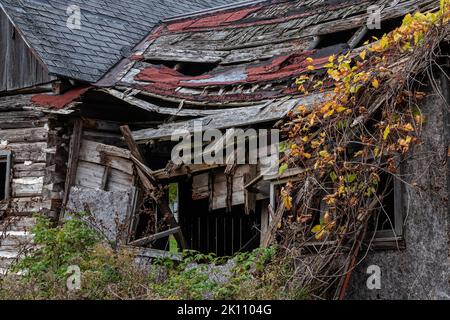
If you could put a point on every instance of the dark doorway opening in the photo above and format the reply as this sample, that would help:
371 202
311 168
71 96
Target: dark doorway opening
220 232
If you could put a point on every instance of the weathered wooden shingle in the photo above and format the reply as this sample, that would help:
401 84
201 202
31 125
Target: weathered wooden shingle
108 30
252 52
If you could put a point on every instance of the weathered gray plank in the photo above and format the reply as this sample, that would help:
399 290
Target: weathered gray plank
24 135
230 118
27 187
90 153
154 108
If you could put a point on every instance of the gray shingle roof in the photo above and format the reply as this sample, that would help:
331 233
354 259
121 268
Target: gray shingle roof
108 29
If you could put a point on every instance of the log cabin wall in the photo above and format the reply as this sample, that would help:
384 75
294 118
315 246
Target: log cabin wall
19 66
37 143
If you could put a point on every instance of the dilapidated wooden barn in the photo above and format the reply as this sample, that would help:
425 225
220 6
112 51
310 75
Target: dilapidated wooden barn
104 143
47 144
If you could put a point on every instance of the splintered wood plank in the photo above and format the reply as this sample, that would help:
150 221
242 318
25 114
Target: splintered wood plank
145 241
229 118
114 151
129 140
163 174
183 55
149 182
154 108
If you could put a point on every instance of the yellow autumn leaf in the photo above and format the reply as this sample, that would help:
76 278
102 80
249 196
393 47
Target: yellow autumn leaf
321 235
303 78
375 83
328 114
315 144
311 67
318 84
340 109
362 55
376 151
287 199
384 42
408 127
306 155
302 109
317 229
358 154
324 153
386 132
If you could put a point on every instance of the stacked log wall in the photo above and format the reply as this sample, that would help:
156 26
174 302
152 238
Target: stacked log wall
36 141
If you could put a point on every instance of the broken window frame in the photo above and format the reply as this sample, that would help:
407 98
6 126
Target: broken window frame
6 157
382 239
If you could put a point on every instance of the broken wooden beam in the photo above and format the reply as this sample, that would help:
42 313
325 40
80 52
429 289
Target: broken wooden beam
147 106
113 151
250 195
164 174
148 253
151 184
129 140
147 240
273 226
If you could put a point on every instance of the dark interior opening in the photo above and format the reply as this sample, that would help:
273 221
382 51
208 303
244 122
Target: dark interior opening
386 27
336 38
3 178
384 219
220 232
192 69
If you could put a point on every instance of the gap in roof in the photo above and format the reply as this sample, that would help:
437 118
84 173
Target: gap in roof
192 69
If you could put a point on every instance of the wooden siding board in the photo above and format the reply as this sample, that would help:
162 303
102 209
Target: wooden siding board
19 67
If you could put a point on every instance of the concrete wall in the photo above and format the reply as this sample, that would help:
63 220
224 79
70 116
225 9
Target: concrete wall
421 271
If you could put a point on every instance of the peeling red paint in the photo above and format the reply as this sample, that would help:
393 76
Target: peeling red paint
207 23
179 26
59 101
217 20
166 82
275 69
245 80
156 33
164 75
260 95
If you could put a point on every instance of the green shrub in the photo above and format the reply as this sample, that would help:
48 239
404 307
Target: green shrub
58 247
110 273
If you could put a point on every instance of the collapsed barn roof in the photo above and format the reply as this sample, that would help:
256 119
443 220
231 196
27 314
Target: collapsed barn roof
109 29
245 57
